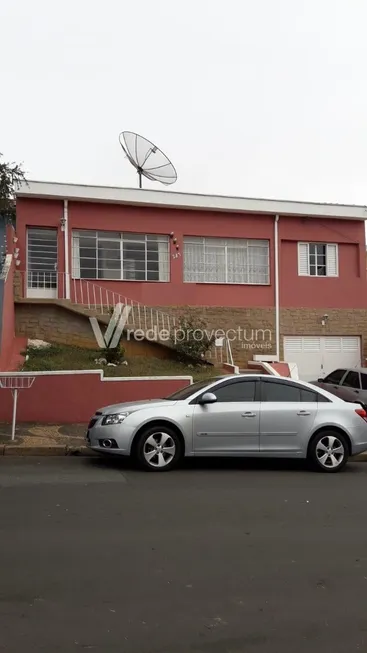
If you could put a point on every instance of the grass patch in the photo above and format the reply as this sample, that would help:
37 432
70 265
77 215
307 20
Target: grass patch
63 357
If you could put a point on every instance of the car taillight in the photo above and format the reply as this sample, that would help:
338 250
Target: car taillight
362 413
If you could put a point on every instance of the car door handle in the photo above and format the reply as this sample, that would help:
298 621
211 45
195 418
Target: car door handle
248 414
303 412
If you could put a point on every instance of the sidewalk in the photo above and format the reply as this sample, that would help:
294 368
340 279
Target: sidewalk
44 439
56 440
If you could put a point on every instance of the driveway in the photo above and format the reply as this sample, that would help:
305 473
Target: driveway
219 557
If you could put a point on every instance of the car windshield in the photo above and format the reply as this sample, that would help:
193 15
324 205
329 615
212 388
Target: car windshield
191 389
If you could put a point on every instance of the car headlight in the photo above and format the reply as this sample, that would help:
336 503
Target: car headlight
117 418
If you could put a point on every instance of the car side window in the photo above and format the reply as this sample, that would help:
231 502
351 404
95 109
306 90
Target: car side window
352 380
280 392
364 381
310 395
335 377
239 391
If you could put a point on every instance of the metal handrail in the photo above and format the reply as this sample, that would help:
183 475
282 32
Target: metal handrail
95 297
229 352
101 300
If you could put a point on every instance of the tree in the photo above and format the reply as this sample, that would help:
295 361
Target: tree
11 176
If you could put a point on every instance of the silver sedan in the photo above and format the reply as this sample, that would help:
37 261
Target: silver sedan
240 415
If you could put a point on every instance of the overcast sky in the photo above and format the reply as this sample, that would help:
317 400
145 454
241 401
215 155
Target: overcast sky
261 98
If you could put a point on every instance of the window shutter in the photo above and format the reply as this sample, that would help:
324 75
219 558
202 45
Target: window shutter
332 260
303 259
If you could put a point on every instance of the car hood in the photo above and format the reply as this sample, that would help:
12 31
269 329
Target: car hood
132 406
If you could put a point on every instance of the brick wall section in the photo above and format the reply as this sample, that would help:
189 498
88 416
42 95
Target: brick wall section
18 287
57 324
298 321
341 322
54 323
257 326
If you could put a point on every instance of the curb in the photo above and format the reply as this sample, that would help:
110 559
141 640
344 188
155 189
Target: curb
361 458
67 450
51 450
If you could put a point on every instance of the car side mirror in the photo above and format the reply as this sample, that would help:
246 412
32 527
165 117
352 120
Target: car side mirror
320 380
208 398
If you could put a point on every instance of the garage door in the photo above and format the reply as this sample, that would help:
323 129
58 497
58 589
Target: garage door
317 356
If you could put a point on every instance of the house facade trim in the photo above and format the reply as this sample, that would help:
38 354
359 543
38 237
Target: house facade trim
169 199
292 307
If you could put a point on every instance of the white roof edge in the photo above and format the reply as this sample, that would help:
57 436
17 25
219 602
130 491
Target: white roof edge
169 199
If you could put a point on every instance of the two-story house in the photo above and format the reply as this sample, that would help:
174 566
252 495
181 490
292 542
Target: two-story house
283 280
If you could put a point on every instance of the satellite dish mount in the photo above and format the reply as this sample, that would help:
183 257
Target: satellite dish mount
140 174
147 159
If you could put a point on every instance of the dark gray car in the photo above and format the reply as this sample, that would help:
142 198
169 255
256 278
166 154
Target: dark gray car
348 384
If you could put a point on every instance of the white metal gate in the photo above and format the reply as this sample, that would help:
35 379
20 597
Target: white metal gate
41 263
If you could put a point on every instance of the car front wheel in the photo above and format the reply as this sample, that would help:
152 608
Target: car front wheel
329 452
159 449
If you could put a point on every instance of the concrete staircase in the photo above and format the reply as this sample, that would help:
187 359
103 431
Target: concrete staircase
92 300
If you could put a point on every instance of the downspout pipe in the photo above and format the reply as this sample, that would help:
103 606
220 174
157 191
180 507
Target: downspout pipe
276 279
66 249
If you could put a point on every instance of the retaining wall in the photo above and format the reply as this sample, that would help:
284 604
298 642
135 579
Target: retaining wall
73 397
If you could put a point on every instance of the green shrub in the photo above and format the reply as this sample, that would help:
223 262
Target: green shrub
191 339
113 355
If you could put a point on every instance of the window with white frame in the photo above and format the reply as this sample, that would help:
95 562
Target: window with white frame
225 260
120 256
317 260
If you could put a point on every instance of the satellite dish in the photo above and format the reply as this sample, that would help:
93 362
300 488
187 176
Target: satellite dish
148 160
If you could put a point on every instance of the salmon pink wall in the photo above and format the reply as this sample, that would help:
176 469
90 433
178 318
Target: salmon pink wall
73 397
181 222
8 322
7 331
348 290
39 213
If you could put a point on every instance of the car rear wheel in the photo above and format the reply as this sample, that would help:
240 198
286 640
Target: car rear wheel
329 452
159 449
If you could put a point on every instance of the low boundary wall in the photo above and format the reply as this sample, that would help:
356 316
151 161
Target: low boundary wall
68 397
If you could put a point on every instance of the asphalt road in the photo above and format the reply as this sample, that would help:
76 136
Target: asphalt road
229 557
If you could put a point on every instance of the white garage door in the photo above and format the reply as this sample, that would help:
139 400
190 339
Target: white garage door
317 356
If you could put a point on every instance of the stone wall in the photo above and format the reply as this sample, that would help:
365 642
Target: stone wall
257 335
341 322
58 324
253 330
18 285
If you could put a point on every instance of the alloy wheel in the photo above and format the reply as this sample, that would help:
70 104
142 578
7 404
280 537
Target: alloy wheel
330 451
159 449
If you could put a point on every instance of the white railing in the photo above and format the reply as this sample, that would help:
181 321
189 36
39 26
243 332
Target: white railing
102 300
99 300
40 282
5 268
229 352
214 355
221 353
96 299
